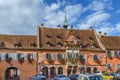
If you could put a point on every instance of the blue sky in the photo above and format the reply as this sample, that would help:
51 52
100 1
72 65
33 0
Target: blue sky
23 16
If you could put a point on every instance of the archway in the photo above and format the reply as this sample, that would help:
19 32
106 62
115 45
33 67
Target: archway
94 69
45 71
12 73
82 70
69 69
52 72
88 70
60 70
74 69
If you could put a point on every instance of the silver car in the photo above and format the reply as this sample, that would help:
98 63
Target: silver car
38 77
90 77
61 77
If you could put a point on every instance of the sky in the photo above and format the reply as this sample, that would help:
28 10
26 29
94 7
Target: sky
22 17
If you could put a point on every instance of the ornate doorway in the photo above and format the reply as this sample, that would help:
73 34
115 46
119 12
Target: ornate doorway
12 73
52 72
45 71
60 70
94 69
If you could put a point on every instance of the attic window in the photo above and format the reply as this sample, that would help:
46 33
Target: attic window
81 45
78 37
59 44
91 38
58 36
18 45
48 36
94 45
33 44
2 44
48 44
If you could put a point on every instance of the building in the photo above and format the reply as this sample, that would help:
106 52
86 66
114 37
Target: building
57 51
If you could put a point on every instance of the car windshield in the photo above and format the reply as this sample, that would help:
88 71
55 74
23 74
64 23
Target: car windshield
95 78
61 76
76 75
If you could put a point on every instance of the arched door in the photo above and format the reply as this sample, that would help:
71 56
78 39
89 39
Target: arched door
94 69
88 70
52 72
45 71
12 73
74 69
60 70
69 68
82 70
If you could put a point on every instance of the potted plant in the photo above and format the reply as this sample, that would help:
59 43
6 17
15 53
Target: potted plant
73 60
8 58
20 58
82 59
49 60
30 58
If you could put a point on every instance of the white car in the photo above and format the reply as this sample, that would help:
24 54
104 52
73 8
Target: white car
90 77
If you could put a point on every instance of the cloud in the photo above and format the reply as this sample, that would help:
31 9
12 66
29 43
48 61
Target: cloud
117 27
94 19
23 16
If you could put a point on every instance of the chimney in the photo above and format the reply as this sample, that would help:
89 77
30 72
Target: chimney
100 33
91 28
41 25
105 34
71 27
58 26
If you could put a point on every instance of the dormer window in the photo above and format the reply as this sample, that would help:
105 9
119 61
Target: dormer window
48 36
2 44
48 44
18 45
78 37
58 36
94 45
81 45
33 44
91 38
59 44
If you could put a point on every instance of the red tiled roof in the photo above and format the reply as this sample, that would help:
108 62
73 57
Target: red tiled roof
24 41
53 36
111 42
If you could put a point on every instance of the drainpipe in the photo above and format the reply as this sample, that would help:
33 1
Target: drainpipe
37 63
106 61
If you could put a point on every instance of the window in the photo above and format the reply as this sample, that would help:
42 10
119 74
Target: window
48 44
2 44
59 44
118 66
110 54
18 44
61 56
96 57
109 66
49 56
71 55
33 44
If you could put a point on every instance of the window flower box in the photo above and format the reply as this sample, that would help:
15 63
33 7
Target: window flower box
31 59
8 58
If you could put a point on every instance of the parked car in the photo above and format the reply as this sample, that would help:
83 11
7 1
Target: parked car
90 77
74 77
61 77
107 76
116 78
38 77
113 74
